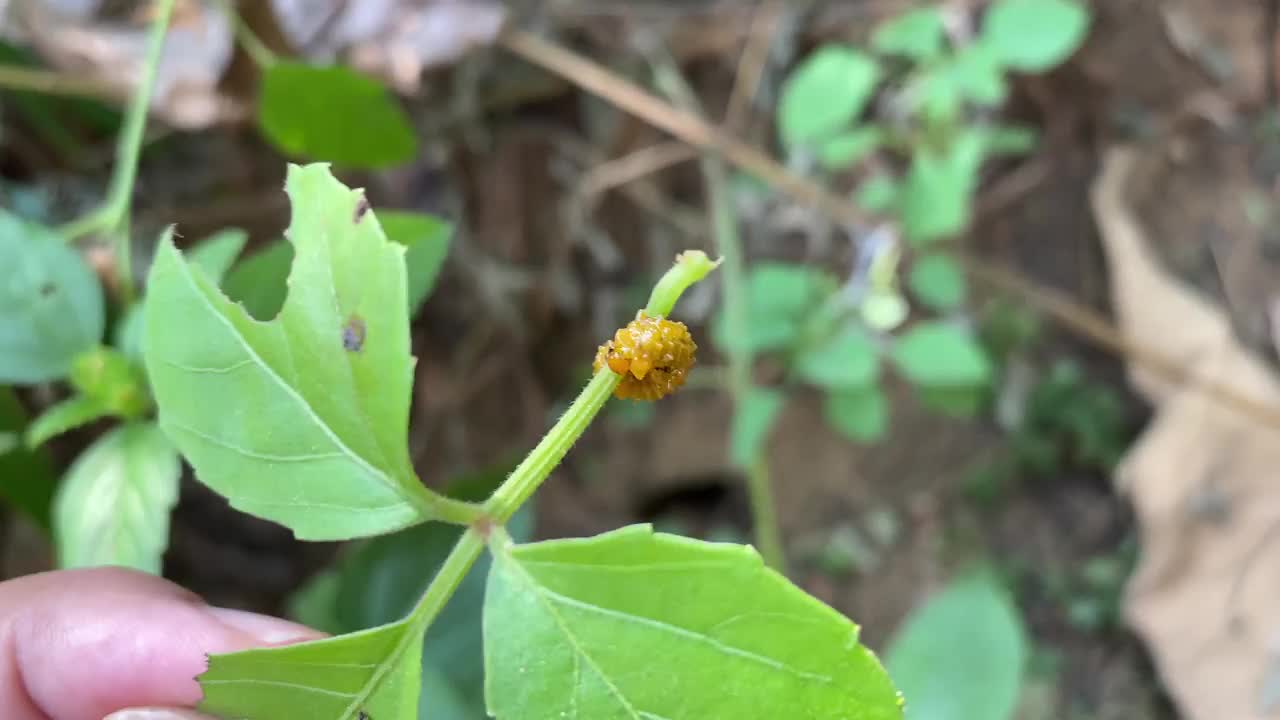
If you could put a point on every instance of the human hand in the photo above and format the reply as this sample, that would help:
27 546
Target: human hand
84 644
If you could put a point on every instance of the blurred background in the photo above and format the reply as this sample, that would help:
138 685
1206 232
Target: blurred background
999 380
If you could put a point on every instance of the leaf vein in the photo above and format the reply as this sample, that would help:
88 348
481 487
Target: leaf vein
279 683
195 369
685 633
270 457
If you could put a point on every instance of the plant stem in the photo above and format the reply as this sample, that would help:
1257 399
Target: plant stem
528 475
690 267
113 215
724 224
13 77
447 579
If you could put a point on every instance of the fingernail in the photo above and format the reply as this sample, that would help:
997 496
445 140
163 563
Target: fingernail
156 714
263 628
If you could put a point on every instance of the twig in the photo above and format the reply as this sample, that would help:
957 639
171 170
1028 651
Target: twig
633 166
13 77
600 81
751 65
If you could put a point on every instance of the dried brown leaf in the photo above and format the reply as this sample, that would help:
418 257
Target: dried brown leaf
1205 597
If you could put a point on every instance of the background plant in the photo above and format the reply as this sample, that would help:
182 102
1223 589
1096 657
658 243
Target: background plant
919 160
58 324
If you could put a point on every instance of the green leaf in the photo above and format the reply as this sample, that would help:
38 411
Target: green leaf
637 624
973 74
917 34
846 149
427 241
66 415
937 354
937 281
780 297
128 332
27 479
938 193
113 506
258 281
216 253
959 401
877 193
861 414
8 442
382 579
315 604
847 359
333 114
752 421
1011 140
962 656
112 380
369 675
50 303
1034 35
824 95
301 420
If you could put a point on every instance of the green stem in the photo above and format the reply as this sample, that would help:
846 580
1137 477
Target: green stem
528 475
113 216
690 267
446 581
733 298
13 77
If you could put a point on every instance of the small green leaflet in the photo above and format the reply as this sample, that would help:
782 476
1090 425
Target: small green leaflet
301 420
51 305
216 253
860 414
648 626
934 354
937 194
113 506
937 281
334 114
258 281
848 359
66 415
962 655
426 239
917 34
368 675
780 297
824 95
846 149
752 421
1034 35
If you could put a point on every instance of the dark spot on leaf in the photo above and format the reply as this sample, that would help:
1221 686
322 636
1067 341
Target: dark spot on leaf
48 289
364 716
353 334
362 207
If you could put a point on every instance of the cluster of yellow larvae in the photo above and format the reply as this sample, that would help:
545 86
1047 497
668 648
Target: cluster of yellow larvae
652 354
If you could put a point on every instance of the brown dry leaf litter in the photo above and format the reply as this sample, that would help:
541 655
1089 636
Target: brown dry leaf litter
392 39
1202 478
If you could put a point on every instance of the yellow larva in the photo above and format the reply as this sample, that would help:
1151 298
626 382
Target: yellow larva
652 354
